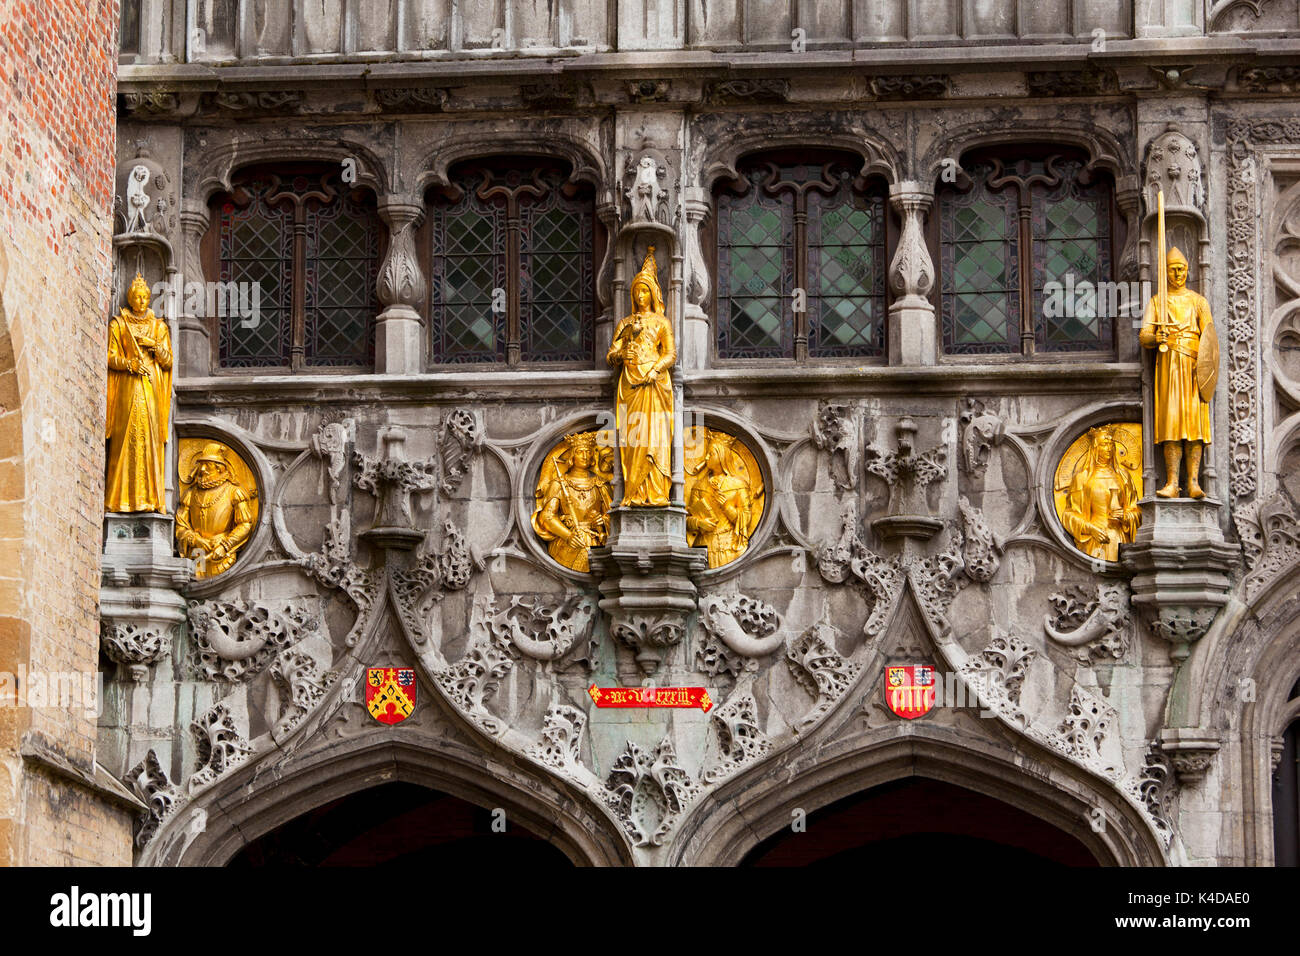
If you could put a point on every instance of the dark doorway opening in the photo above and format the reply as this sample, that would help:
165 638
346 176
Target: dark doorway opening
400 824
918 824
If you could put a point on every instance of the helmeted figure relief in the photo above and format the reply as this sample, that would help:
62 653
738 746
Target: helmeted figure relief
1100 495
645 350
139 405
573 498
215 516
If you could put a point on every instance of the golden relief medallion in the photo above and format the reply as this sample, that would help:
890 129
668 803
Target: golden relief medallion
1098 486
571 511
724 494
218 505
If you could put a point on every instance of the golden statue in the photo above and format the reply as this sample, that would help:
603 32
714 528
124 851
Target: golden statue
643 345
1179 326
139 405
1098 486
573 497
218 505
724 495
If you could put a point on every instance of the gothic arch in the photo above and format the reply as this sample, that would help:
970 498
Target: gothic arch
219 164
1103 148
719 159
585 162
212 829
747 811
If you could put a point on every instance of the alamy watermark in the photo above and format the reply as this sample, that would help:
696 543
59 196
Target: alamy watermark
64 690
241 300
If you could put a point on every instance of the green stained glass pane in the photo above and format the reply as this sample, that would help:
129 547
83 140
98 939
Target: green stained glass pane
756 323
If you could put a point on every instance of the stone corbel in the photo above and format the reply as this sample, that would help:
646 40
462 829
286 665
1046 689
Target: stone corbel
401 288
392 479
911 333
195 341
1190 751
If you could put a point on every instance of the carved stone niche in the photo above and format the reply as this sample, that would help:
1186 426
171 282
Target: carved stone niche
647 580
1180 565
140 604
908 474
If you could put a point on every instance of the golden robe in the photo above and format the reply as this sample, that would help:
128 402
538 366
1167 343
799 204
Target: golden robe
1094 494
725 503
139 407
645 408
1180 413
578 505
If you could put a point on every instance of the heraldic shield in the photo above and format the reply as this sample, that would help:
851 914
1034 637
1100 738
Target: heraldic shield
390 693
909 690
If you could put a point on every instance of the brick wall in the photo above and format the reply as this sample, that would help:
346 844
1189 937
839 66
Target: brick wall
58 68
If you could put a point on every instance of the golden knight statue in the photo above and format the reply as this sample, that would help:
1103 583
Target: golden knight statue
725 500
1179 326
644 347
216 516
139 405
573 498
1098 496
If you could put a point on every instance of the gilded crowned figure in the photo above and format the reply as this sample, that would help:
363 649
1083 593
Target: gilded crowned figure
572 506
1101 500
644 348
139 405
1186 370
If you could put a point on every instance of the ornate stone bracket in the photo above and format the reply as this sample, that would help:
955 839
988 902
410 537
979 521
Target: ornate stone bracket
1180 566
981 431
647 586
140 605
1190 752
908 474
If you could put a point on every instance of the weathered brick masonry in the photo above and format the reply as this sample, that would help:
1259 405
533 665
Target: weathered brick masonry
57 141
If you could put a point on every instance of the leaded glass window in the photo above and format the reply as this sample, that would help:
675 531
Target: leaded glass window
800 233
1010 233
305 252
511 263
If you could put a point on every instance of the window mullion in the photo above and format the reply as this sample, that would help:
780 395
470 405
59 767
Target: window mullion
801 274
513 283
298 336
1025 255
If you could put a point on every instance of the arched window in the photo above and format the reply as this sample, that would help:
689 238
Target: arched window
511 252
295 254
800 259
1286 795
1025 257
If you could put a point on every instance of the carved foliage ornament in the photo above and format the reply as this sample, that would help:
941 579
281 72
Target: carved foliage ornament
1174 166
237 639
648 791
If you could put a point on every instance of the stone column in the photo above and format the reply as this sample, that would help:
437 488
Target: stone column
694 346
912 327
195 346
399 333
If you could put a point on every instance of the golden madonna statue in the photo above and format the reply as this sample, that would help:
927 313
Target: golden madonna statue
139 405
724 495
644 347
218 505
573 497
1098 486
1179 326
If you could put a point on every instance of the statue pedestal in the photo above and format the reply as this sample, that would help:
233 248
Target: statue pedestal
141 608
1180 563
647 582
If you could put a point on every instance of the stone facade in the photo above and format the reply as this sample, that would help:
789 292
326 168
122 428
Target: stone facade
57 142
1134 705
